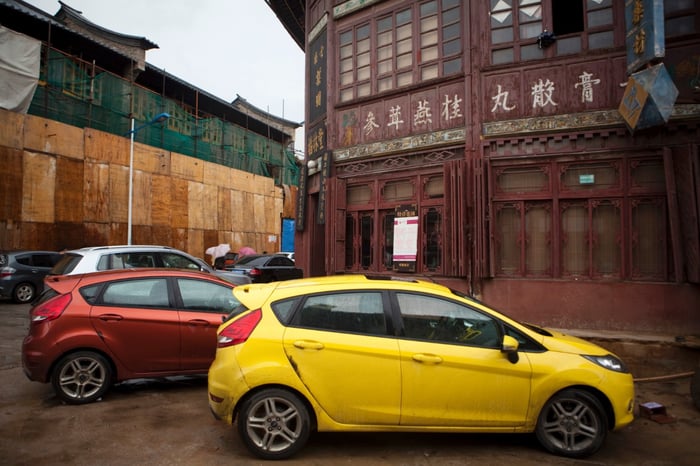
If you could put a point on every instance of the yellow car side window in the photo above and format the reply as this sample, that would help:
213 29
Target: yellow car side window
355 312
440 320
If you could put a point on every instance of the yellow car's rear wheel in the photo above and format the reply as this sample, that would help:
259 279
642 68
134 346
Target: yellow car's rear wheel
274 424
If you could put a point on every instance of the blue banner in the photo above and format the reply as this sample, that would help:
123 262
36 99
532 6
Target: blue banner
645 32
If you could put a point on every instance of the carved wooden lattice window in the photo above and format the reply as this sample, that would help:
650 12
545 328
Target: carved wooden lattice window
594 225
519 28
523 243
681 17
400 60
522 180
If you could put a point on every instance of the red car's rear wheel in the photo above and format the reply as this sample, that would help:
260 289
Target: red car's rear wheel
81 377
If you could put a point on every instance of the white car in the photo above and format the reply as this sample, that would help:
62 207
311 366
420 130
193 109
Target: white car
94 259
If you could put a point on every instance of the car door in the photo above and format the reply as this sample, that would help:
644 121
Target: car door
340 348
45 260
42 263
135 319
35 267
453 371
202 304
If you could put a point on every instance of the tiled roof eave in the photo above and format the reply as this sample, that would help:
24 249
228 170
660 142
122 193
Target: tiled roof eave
124 39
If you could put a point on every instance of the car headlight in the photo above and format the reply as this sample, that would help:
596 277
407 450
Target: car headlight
609 362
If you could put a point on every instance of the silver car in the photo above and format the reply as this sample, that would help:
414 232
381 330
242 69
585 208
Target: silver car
93 259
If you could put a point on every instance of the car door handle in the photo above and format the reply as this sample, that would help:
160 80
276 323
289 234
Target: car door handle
427 358
198 323
306 344
110 317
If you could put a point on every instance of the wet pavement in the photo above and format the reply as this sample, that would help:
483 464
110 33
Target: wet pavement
168 422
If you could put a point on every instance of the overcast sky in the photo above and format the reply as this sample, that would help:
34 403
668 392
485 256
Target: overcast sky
224 47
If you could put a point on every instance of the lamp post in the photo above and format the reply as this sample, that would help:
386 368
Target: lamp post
157 119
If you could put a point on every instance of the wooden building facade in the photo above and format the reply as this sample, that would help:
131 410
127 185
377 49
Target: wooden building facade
494 127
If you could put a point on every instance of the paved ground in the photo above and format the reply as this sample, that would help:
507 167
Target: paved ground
167 422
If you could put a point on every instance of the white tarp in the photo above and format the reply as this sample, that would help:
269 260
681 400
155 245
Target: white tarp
218 251
20 58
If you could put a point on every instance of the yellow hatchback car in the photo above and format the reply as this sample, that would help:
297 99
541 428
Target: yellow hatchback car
360 353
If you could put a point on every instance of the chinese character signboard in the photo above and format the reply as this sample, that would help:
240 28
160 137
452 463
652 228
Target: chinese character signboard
323 190
650 93
317 78
645 32
301 200
429 110
315 141
649 98
405 238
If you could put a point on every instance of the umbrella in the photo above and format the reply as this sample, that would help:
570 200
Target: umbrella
246 250
218 251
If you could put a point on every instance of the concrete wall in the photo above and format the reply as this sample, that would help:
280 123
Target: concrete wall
663 308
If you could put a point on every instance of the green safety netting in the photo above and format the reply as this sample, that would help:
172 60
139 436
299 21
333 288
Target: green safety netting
69 94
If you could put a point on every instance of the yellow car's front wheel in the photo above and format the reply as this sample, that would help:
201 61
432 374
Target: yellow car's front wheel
572 423
274 424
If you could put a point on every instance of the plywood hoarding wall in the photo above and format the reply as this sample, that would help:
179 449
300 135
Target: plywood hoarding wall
64 187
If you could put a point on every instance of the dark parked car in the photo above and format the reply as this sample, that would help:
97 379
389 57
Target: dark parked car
264 268
89 331
236 279
22 273
226 261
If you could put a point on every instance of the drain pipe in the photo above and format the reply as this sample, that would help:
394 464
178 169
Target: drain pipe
661 378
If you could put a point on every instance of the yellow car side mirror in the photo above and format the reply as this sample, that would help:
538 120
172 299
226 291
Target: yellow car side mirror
510 347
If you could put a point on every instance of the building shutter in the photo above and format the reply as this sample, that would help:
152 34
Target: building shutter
683 187
338 233
456 226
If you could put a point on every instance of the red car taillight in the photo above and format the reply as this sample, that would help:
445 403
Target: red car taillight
255 272
51 309
7 271
239 330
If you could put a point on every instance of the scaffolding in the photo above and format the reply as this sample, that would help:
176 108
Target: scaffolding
80 94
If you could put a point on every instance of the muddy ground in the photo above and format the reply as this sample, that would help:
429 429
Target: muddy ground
168 422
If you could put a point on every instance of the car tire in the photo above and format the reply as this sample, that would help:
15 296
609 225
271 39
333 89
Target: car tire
274 424
24 293
572 423
81 377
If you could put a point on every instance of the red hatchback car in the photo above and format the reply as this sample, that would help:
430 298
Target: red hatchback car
90 331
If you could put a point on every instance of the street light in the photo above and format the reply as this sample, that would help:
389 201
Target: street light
157 119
